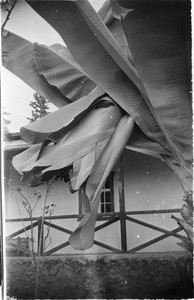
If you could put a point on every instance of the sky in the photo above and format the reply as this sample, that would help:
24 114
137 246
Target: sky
15 94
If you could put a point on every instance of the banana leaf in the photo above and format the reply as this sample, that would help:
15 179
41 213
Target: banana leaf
61 121
81 170
110 16
102 59
83 166
85 139
132 4
187 214
62 73
19 60
186 226
19 160
145 151
159 39
83 236
185 179
97 125
66 54
140 141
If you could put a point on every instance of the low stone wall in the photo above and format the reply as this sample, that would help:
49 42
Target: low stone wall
148 275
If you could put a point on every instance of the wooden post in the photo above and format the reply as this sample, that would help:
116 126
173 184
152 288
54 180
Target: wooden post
122 207
40 236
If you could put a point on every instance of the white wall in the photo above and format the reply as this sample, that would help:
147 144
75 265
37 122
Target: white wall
149 184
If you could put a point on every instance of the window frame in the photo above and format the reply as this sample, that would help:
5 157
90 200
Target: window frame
112 201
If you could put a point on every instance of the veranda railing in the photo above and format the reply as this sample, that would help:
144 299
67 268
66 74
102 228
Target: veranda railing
120 216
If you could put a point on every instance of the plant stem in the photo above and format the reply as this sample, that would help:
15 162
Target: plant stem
8 15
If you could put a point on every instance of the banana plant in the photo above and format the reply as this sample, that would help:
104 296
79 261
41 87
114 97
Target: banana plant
121 80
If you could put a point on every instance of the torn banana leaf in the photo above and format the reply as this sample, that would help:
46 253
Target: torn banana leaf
140 142
83 236
66 75
19 60
100 56
83 166
112 20
96 126
81 170
60 121
159 38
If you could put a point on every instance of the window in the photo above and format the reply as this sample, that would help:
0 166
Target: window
107 197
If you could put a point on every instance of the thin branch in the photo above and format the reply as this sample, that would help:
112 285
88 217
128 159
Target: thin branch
29 211
48 230
24 226
8 15
38 198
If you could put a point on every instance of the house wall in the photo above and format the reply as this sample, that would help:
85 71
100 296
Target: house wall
149 184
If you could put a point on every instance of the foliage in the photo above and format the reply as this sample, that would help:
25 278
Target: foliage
187 221
127 64
40 107
44 238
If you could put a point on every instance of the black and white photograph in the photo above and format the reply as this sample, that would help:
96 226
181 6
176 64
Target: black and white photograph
96 149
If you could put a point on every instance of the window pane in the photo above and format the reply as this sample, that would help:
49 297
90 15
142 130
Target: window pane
108 207
107 183
107 197
102 197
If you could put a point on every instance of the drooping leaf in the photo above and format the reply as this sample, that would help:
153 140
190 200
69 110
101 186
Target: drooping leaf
19 60
60 72
140 141
186 226
187 222
181 174
159 37
83 166
83 236
187 214
60 120
94 48
97 125
81 170
186 244
145 151
20 160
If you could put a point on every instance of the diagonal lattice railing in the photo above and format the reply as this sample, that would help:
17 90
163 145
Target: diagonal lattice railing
113 218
